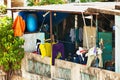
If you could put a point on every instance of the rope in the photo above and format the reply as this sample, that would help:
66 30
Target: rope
42 23
44 19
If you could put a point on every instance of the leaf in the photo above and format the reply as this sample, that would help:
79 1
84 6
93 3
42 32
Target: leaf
10 46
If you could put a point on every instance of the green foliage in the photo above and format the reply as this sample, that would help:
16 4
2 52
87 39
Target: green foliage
11 51
30 2
44 2
3 9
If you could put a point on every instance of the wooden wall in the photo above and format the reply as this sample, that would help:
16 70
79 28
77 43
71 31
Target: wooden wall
89 36
16 3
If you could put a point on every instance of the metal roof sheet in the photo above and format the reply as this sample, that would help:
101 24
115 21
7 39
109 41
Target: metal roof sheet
71 7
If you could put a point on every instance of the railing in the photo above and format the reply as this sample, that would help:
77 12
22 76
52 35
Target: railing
36 68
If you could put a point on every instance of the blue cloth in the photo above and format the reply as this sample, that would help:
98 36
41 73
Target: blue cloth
55 19
81 60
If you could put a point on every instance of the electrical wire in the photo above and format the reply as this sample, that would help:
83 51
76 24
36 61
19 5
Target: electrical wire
111 22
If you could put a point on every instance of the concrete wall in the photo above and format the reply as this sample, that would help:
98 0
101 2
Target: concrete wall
62 70
30 41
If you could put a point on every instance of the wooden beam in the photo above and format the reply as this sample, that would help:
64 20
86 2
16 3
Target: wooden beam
105 11
117 7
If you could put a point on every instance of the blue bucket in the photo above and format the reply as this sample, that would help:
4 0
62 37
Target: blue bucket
32 23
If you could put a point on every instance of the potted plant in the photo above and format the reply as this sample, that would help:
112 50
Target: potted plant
11 51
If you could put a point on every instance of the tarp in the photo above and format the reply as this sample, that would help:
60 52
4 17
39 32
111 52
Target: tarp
57 17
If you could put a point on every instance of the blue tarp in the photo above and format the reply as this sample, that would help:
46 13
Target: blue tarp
55 19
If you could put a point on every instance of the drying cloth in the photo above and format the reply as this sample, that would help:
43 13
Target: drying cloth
81 54
57 51
59 47
94 51
18 26
72 35
45 49
92 54
91 58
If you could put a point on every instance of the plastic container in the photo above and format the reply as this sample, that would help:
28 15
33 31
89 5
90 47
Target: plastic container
32 23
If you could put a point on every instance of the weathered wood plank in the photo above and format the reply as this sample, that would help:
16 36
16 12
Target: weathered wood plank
105 11
117 7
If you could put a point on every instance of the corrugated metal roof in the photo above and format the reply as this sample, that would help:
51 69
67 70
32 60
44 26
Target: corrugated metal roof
72 7
58 7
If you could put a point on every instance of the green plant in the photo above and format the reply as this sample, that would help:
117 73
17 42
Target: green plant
44 2
30 2
11 51
3 9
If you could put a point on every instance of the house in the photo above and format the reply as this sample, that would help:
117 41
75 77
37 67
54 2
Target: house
104 9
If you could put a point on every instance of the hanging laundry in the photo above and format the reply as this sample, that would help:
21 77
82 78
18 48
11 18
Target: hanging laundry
81 54
80 34
45 49
59 47
72 34
19 25
93 54
77 36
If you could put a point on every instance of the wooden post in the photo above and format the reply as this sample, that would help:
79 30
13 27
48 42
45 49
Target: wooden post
76 26
117 7
5 2
96 28
9 6
51 35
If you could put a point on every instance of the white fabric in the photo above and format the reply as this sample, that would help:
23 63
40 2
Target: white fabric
79 53
113 27
94 51
72 34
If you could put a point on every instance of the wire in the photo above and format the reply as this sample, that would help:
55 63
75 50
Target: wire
111 22
42 24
